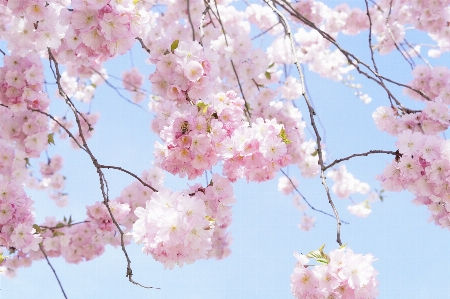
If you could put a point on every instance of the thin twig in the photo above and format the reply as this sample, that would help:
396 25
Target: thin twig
102 179
359 155
143 45
130 173
54 272
247 107
117 91
392 35
190 20
311 116
307 202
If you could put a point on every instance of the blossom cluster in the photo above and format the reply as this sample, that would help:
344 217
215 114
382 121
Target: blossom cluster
423 168
75 242
181 227
341 274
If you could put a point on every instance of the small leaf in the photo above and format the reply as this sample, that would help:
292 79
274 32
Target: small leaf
59 225
271 65
37 228
57 233
319 255
343 246
315 153
50 138
283 136
202 107
267 74
174 45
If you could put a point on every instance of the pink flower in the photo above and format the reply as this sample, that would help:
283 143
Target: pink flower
193 70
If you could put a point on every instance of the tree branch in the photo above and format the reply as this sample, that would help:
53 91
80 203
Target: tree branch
359 155
54 272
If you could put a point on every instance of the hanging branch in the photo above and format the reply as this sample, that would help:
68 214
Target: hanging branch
307 202
53 269
117 90
102 180
190 21
312 113
247 107
392 36
352 59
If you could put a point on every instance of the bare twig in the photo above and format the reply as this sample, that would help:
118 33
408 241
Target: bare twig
247 107
61 226
117 90
311 116
143 45
352 59
190 20
202 33
53 269
392 36
61 125
307 202
265 31
102 180
359 155
130 173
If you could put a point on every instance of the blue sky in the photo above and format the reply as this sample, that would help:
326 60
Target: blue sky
412 253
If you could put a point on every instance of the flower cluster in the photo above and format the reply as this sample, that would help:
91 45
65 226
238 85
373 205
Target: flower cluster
181 227
341 274
194 135
423 168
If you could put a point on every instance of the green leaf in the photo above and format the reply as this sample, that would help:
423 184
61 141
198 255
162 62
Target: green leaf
50 138
283 136
343 246
37 228
174 45
319 255
271 65
315 153
202 107
267 74
59 225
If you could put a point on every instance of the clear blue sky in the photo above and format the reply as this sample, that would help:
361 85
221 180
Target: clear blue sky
413 259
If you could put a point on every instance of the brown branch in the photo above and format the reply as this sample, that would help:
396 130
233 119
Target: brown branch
265 31
307 202
143 45
359 155
130 173
190 20
117 91
53 269
102 179
61 125
392 35
202 20
370 37
247 107
311 116
352 59
65 225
